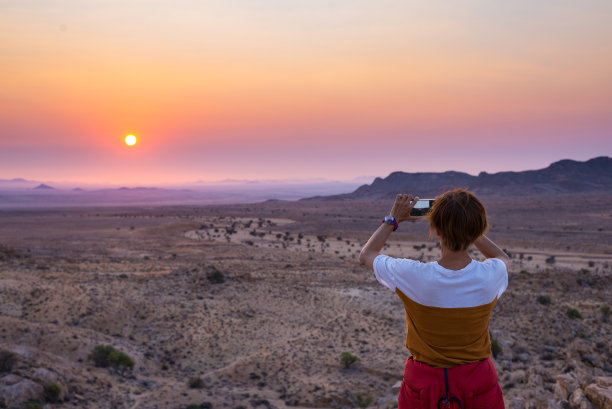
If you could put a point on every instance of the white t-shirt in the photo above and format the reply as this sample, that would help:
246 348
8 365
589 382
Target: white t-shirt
430 284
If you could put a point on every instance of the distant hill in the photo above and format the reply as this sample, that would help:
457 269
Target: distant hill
42 186
564 176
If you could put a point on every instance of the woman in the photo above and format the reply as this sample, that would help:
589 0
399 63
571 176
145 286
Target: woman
447 302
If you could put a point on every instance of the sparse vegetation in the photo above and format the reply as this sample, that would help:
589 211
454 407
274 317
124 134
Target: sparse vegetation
33 404
544 299
52 392
216 277
195 383
348 359
605 312
573 313
363 400
550 260
496 349
104 356
7 361
203 405
525 272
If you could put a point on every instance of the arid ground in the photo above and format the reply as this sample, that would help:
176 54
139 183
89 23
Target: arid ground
251 306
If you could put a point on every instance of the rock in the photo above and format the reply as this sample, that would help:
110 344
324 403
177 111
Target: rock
523 357
566 385
534 379
44 376
397 385
517 402
10 379
579 401
518 377
553 404
22 391
600 393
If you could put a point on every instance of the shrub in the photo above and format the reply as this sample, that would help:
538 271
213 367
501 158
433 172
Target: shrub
216 277
525 272
106 355
496 349
363 401
100 354
7 360
605 311
544 299
52 392
347 359
591 264
573 313
550 260
33 404
195 383
120 360
203 405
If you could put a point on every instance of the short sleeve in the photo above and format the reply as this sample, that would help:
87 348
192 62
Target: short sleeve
385 270
501 276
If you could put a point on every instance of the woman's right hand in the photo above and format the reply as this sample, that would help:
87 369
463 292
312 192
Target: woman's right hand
402 207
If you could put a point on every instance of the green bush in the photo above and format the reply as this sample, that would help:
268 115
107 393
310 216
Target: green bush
52 392
347 359
7 361
605 310
573 313
100 354
104 356
363 401
216 277
544 299
496 349
120 360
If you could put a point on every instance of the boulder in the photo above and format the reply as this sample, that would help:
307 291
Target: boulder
22 391
579 401
600 393
44 376
566 385
10 379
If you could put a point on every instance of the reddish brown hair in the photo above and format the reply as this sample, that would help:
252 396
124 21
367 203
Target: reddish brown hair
459 217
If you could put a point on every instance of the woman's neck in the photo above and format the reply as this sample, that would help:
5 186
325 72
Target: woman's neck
454 260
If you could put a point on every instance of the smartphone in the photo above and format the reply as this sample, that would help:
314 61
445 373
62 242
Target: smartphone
422 207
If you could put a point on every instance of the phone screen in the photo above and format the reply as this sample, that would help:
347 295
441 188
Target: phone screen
421 208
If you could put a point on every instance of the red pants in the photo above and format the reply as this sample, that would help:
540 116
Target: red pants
470 386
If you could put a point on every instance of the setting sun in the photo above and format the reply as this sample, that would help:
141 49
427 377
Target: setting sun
130 140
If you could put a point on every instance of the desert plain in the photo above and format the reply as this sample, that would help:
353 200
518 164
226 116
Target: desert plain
252 305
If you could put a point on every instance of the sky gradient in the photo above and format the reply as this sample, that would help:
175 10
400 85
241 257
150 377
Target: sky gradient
253 89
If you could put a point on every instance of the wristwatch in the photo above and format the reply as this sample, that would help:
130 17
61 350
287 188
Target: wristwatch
391 220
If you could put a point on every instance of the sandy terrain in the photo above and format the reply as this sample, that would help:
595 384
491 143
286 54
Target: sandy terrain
293 299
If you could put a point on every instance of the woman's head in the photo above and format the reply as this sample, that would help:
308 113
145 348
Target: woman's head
459 218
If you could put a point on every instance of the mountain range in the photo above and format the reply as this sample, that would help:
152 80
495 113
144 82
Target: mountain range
564 176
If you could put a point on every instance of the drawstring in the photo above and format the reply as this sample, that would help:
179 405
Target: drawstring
445 401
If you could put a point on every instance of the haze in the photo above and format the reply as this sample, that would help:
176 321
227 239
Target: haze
317 89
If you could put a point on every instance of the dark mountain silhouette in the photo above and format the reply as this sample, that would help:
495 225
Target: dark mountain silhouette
42 186
565 176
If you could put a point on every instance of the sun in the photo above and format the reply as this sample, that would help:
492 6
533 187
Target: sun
130 140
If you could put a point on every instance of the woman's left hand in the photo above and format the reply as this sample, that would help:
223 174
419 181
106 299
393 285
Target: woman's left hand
402 207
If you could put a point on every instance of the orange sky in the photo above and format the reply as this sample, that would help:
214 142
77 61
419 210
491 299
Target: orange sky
272 90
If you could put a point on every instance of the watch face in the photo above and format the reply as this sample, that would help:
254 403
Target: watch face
389 219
